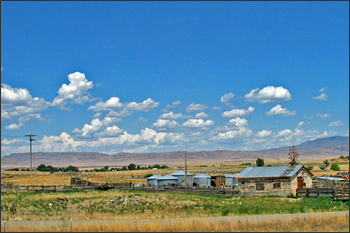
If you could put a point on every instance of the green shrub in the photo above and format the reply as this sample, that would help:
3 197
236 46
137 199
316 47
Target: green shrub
225 211
335 167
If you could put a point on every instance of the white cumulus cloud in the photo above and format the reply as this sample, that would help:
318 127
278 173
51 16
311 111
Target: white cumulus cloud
18 105
278 110
144 106
76 91
238 112
268 94
195 107
197 124
171 115
164 125
174 104
264 133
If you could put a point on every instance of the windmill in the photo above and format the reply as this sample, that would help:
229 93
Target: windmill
293 156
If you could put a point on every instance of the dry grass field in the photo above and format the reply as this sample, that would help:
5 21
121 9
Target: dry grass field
61 178
314 222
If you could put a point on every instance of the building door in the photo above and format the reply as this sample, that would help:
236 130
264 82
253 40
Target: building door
300 182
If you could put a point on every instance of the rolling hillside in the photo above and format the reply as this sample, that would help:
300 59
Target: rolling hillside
324 148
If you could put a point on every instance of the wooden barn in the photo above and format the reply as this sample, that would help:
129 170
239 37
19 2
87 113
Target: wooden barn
275 180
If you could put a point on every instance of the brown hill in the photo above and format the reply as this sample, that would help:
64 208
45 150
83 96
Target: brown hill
82 159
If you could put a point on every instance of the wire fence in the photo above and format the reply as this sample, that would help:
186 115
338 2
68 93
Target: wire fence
228 223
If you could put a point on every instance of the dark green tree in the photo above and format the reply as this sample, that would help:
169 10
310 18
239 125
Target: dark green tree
41 167
326 163
259 162
132 166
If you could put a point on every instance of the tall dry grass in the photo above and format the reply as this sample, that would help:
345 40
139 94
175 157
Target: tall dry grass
279 223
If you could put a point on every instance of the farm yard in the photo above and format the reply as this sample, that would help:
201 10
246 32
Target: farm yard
154 210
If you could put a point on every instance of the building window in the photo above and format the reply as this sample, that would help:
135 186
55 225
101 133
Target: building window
277 185
260 186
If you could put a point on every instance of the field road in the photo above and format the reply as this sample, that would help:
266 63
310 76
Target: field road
166 224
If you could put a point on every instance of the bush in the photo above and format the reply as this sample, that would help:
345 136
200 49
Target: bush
335 167
225 211
148 175
322 166
310 167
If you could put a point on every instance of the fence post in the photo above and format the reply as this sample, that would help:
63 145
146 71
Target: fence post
298 219
135 225
70 225
194 229
4 225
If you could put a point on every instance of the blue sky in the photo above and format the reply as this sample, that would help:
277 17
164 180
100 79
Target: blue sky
165 76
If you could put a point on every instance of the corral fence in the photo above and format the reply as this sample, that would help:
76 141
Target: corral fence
338 193
244 223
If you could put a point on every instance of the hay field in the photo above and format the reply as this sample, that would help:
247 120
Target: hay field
61 178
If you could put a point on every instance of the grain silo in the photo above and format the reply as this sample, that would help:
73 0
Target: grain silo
202 180
230 180
152 180
181 175
167 179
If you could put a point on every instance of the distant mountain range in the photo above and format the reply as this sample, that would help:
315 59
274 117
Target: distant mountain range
322 148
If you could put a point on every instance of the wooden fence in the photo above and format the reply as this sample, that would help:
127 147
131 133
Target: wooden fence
339 193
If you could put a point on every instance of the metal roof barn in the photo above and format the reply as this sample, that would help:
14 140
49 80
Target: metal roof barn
275 171
180 174
202 180
152 180
167 179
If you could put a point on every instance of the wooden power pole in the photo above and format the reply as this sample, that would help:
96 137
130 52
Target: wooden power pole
31 157
186 169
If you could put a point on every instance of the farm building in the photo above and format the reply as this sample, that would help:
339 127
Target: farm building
328 181
167 180
152 180
180 174
202 180
230 180
276 180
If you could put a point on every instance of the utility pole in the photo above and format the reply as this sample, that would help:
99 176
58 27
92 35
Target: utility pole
31 157
186 169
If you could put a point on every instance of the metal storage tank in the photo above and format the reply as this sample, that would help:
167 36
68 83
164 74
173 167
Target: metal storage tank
230 180
181 175
202 180
152 180
167 179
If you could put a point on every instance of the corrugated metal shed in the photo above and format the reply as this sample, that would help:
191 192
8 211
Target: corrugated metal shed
275 171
